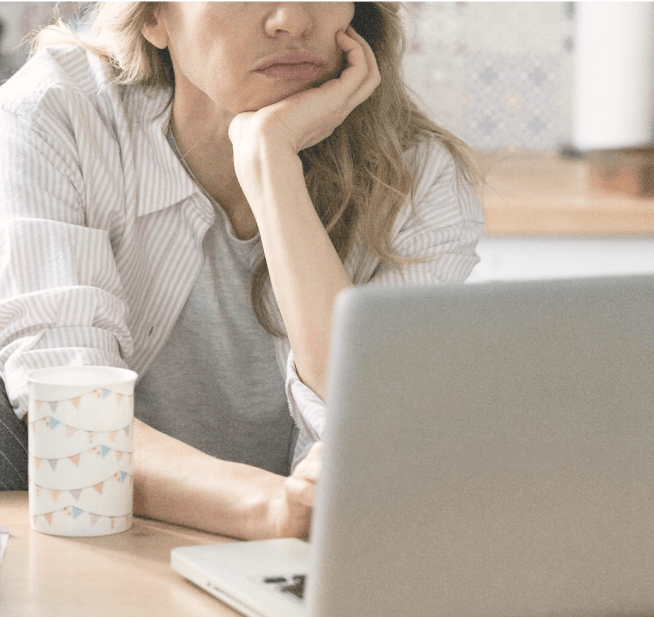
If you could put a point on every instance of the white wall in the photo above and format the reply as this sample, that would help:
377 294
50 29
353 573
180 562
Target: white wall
523 258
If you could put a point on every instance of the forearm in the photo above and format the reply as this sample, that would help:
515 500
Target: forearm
305 270
176 483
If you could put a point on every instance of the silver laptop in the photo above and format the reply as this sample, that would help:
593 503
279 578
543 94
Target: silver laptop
489 452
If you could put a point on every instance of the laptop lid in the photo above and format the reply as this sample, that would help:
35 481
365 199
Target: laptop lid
489 452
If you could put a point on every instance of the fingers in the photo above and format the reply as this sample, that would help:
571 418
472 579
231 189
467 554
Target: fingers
351 41
299 492
310 116
292 508
361 75
308 470
300 487
362 64
342 94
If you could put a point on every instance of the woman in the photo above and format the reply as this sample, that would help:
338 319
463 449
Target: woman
189 158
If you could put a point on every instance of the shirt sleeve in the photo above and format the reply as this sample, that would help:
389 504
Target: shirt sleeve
440 227
61 300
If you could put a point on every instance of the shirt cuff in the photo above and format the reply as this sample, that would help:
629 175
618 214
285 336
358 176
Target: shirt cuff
307 408
94 347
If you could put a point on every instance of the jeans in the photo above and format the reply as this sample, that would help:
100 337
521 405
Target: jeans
13 447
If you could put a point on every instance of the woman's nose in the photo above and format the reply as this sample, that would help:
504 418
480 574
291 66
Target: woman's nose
292 19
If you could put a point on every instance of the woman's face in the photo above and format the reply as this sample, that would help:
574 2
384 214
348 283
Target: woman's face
245 55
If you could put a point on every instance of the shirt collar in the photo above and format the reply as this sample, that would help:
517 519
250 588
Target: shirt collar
163 181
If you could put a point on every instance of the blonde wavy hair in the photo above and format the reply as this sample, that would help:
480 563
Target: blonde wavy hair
358 178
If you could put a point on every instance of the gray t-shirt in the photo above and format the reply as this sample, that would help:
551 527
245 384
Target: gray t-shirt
216 384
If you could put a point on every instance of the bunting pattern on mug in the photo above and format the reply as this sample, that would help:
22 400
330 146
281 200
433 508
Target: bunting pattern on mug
80 468
97 451
102 393
52 423
121 477
115 522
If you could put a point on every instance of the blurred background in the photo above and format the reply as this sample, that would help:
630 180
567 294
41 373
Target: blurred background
496 74
557 97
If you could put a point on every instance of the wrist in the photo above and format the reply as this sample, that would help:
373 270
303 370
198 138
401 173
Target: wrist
259 510
270 155
269 172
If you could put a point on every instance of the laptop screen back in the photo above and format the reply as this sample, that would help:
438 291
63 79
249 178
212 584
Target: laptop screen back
489 452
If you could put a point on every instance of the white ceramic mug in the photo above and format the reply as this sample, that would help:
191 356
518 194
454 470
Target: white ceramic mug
80 425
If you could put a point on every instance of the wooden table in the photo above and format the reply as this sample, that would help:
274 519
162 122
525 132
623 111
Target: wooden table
124 575
536 194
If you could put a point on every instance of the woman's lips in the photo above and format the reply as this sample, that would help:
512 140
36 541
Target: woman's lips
292 65
305 71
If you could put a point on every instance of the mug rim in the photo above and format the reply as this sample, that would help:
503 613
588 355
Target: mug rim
93 375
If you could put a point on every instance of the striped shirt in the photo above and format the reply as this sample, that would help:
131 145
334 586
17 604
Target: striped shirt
101 228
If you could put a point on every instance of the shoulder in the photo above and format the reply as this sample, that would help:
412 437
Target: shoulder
50 74
67 85
432 162
441 180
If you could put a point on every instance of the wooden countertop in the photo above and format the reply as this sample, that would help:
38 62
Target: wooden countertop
123 575
535 194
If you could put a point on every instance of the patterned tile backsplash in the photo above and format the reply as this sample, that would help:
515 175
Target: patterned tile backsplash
497 74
